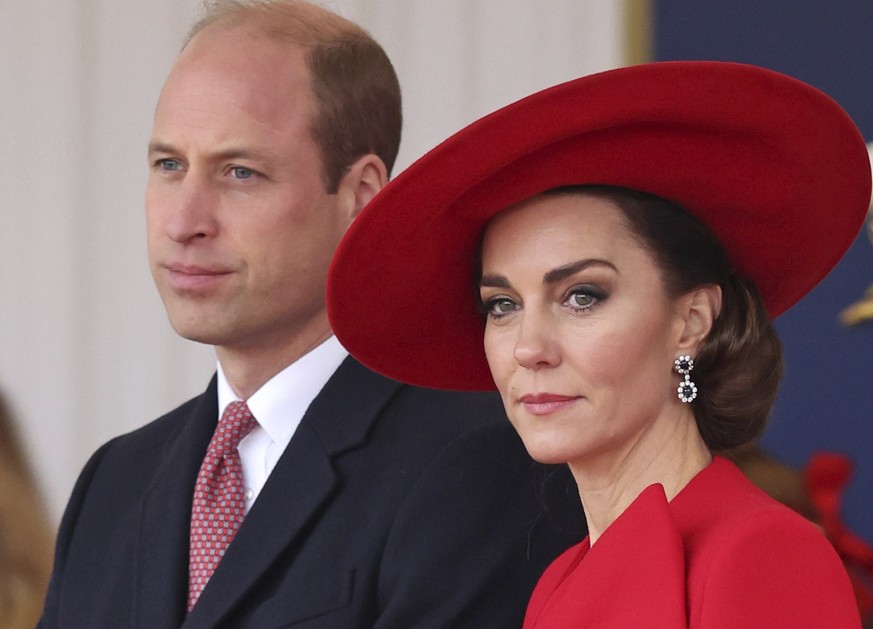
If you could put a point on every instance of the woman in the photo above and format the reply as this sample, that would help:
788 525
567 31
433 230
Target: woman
628 236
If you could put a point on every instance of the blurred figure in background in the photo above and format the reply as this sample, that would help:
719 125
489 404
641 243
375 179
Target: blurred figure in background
26 539
816 493
862 310
780 481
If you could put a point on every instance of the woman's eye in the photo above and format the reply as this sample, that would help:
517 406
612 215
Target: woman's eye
498 307
580 300
584 297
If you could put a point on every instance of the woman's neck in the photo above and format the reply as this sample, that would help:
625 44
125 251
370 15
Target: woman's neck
607 486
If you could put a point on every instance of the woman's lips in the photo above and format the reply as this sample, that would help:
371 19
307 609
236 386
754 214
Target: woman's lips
546 403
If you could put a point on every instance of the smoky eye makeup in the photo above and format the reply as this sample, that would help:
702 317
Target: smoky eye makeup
583 297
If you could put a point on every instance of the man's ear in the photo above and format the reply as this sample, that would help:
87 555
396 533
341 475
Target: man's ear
364 178
698 309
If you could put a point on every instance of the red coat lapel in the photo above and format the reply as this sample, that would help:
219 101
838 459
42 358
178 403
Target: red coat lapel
601 592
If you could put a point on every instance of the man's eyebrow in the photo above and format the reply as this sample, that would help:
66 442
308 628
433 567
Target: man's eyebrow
159 147
231 152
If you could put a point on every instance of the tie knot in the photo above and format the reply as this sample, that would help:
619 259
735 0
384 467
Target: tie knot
236 422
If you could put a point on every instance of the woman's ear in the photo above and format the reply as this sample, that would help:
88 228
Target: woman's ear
698 309
364 178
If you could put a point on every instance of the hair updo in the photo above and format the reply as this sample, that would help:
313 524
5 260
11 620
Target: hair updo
739 365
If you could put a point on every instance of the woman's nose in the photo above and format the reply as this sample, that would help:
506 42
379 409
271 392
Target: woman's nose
537 345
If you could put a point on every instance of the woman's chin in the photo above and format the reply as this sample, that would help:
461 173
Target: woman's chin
549 453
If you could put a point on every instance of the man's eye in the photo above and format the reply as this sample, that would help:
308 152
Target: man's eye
169 164
241 172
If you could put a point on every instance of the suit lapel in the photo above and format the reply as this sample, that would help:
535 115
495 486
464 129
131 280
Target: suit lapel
162 543
302 482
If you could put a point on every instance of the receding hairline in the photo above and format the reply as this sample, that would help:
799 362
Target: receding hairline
292 21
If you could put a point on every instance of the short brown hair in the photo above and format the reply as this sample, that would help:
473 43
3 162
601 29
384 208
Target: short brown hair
356 90
739 366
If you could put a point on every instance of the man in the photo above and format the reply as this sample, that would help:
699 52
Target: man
366 503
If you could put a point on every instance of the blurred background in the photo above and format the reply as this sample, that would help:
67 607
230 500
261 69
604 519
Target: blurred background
86 352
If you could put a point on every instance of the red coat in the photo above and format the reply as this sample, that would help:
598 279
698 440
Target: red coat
721 555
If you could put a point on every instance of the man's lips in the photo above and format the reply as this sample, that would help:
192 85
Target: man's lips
546 403
188 277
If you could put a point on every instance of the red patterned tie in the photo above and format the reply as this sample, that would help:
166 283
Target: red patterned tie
219 498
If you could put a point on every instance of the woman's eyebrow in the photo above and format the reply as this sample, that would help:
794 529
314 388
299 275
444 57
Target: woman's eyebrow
566 270
553 276
494 281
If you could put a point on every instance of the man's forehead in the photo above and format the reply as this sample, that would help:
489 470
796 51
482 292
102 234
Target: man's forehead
216 83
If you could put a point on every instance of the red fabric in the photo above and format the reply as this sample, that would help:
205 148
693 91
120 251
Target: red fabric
721 555
219 498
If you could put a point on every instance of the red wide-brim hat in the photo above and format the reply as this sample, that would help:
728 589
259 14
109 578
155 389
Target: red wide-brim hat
774 167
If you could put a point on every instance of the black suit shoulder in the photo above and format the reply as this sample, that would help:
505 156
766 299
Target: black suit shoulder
483 521
100 523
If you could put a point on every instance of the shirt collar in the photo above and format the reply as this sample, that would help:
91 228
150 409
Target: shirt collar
279 405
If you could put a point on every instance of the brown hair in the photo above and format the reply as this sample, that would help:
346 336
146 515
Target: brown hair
26 538
739 366
354 84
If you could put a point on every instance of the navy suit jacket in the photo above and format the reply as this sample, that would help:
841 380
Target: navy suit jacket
392 507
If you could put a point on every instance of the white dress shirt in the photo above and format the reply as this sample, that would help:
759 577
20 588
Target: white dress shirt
278 407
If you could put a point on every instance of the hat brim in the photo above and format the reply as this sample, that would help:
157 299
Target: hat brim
774 167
